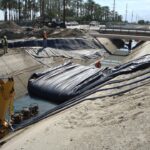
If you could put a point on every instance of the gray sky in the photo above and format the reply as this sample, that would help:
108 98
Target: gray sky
140 8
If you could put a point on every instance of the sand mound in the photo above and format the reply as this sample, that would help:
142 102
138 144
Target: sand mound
11 30
68 33
12 34
142 49
45 28
14 31
38 33
9 25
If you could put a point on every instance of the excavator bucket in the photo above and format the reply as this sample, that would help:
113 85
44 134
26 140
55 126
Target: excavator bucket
6 103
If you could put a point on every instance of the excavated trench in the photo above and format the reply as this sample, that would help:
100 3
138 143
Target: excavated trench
105 77
21 63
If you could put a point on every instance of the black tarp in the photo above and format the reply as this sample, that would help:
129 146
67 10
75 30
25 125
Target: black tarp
69 80
61 43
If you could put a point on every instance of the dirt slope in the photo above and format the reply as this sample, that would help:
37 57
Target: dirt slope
120 122
141 50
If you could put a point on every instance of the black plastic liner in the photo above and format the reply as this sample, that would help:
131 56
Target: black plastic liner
67 44
69 80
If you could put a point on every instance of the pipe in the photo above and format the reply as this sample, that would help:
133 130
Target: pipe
118 93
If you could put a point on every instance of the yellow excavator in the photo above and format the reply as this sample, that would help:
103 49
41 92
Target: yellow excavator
7 94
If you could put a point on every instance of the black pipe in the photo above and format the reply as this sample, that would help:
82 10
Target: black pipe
118 93
118 87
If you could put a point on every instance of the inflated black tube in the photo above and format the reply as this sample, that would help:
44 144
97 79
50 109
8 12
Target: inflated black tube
63 83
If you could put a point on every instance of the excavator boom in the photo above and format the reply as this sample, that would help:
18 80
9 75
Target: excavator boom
7 95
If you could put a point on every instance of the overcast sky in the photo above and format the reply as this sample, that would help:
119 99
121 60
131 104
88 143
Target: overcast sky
140 8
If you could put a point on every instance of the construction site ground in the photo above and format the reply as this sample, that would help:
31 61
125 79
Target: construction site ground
112 123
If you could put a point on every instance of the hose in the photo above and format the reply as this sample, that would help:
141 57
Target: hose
118 87
118 93
127 79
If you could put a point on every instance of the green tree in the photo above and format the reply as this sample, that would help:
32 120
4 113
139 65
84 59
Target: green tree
79 10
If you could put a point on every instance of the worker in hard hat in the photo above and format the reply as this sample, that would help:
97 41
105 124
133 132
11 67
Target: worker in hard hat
44 39
5 44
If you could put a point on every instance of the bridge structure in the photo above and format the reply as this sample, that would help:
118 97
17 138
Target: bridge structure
128 34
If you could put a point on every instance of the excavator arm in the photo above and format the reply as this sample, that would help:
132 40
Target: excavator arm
7 95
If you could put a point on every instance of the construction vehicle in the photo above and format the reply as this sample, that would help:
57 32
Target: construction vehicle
7 95
8 117
54 23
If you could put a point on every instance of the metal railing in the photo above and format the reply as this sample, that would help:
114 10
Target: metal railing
136 31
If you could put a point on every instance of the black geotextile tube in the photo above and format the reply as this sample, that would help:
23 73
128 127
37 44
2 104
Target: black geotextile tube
67 81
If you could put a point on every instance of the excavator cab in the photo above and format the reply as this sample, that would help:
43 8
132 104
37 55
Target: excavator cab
7 95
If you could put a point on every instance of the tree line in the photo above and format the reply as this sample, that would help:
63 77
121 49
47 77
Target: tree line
75 10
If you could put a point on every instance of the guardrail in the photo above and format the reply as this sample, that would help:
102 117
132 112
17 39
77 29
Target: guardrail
125 31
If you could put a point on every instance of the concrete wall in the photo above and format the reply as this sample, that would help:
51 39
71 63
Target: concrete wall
21 66
111 45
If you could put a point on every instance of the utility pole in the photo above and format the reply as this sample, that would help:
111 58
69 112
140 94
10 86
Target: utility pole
64 11
136 18
132 17
126 16
114 7
43 8
19 10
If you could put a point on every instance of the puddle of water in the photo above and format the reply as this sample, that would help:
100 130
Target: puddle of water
26 101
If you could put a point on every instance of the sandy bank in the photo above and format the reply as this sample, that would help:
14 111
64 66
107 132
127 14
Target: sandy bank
141 50
120 122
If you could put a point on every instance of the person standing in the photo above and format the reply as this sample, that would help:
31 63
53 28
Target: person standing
130 45
5 44
44 39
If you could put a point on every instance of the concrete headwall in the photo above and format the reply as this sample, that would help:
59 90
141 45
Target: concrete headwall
20 66
111 45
